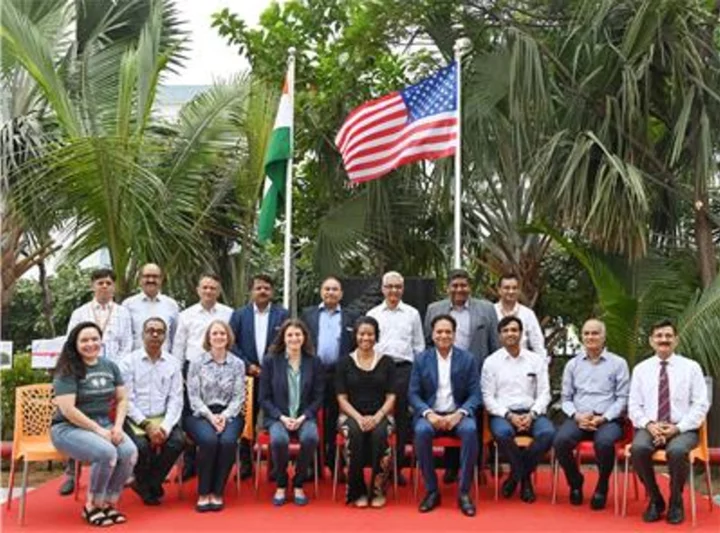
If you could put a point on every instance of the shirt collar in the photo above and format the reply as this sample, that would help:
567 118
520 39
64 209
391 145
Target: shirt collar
258 312
322 307
466 305
97 305
207 358
514 311
508 355
400 306
163 355
440 357
146 298
603 355
669 360
210 311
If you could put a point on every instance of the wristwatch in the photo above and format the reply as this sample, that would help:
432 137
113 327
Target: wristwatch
144 424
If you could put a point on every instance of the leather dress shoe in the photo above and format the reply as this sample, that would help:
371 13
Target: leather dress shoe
429 502
576 495
676 513
68 486
467 507
598 501
508 487
654 510
450 476
527 493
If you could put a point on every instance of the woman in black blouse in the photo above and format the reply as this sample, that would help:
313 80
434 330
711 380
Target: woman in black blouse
364 385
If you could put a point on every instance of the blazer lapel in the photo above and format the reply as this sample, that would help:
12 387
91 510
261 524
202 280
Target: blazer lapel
305 380
456 371
250 318
281 367
474 316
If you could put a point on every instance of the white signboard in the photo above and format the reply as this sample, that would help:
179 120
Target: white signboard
46 351
6 354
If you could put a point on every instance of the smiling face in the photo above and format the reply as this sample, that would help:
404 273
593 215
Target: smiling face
509 290
294 339
262 293
88 344
365 337
664 341
392 289
443 335
151 279
208 290
510 335
153 335
593 336
331 293
218 337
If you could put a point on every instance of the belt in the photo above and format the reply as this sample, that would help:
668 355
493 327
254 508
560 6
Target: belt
402 362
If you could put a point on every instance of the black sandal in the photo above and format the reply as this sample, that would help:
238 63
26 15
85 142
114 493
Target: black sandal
97 517
116 516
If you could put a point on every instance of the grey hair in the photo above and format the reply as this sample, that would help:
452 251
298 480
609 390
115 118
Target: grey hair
603 329
392 274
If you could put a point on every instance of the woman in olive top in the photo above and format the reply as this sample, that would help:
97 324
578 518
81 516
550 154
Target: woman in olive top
291 392
364 384
85 387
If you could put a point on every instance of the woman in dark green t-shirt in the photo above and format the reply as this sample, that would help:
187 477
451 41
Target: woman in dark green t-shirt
86 385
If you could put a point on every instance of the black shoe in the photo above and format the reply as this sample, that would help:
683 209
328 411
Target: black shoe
527 493
401 480
246 471
188 471
654 510
429 502
676 513
598 501
450 476
467 507
151 501
68 486
508 487
576 495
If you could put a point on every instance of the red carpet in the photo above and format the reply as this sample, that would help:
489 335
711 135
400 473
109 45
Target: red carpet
47 511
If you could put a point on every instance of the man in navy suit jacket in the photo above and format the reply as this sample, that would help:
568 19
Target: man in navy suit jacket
255 326
331 332
445 394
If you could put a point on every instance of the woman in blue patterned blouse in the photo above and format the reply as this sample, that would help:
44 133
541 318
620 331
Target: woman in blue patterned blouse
216 390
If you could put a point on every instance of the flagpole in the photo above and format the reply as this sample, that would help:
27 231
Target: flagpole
457 260
288 184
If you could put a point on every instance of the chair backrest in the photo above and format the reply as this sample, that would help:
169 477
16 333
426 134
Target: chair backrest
249 428
703 450
34 409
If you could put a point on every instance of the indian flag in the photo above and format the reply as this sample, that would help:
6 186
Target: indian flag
277 157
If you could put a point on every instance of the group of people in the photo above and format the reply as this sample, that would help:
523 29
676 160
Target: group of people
378 380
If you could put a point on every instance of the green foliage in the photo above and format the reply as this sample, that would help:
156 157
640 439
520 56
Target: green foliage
20 374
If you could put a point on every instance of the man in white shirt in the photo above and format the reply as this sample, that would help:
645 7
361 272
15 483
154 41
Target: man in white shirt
401 337
194 320
153 382
668 404
114 322
445 394
533 338
516 393
150 302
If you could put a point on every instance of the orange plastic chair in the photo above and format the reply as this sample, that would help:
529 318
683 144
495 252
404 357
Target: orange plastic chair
34 409
700 453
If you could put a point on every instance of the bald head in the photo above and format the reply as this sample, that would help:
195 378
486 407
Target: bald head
151 279
593 336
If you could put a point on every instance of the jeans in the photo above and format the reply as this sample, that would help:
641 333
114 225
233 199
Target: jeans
110 465
216 451
523 462
279 447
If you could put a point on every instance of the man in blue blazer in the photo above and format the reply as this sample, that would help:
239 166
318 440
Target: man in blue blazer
255 326
331 332
444 395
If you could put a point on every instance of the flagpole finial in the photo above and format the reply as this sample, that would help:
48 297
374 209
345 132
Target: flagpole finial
291 51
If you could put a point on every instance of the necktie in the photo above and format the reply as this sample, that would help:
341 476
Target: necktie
663 394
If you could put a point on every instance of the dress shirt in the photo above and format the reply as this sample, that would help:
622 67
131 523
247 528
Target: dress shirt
329 331
515 383
444 401
401 335
533 338
462 332
153 388
689 402
211 383
293 377
114 321
601 388
261 319
192 325
142 307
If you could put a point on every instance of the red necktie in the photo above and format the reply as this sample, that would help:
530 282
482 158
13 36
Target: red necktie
663 394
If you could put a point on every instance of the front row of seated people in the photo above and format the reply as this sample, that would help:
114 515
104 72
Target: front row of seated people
666 401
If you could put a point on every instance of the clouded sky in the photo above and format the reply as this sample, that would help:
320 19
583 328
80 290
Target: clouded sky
210 57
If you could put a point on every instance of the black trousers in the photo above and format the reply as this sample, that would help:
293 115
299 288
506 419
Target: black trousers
402 415
330 417
153 466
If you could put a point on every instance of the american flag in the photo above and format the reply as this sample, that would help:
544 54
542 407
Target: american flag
418 122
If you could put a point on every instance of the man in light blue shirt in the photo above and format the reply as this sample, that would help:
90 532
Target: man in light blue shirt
595 389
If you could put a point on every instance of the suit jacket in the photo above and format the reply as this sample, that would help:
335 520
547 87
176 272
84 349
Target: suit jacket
311 317
463 378
483 326
274 395
242 322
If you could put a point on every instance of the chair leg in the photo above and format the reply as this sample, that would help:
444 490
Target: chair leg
615 486
395 472
708 480
497 473
11 482
317 473
257 469
625 486
238 465
180 465
416 482
693 508
336 466
554 471
78 473
477 484
23 497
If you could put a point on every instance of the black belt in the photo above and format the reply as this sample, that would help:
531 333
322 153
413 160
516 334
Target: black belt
403 363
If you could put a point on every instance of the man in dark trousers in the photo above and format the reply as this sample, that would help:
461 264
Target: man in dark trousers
255 326
330 329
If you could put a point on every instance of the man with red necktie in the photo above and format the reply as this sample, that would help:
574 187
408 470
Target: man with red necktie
668 403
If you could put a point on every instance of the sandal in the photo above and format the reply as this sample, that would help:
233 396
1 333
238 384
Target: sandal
116 516
96 517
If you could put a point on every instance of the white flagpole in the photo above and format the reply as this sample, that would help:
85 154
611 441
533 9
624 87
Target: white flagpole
457 260
287 260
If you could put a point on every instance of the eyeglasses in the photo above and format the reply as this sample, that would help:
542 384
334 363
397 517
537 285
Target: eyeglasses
395 287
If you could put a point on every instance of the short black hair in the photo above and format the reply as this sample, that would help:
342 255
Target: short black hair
155 319
458 273
449 318
102 273
507 320
508 275
664 323
262 277
370 321
331 276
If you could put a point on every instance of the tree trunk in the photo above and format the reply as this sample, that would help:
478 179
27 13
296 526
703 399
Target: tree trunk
707 258
47 300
